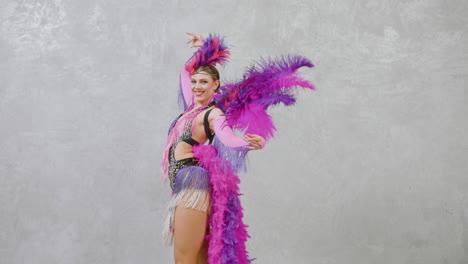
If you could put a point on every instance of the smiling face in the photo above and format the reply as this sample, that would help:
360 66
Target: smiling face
203 87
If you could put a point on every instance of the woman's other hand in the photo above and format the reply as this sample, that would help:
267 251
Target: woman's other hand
196 40
255 141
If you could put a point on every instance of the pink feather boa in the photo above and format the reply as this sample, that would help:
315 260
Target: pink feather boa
228 232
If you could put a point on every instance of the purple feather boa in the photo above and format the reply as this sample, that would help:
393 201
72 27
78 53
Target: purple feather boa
228 232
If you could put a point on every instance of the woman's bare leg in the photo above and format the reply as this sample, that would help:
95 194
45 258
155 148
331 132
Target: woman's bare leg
203 254
189 234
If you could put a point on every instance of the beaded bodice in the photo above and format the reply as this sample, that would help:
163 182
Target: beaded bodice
184 123
187 133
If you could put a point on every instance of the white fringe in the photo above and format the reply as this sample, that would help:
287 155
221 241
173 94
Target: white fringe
167 233
187 198
191 198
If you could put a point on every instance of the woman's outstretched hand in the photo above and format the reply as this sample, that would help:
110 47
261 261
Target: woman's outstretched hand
255 141
196 40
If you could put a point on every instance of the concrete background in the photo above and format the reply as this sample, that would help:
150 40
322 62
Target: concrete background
370 168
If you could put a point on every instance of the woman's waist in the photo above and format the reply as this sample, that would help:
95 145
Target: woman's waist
187 161
183 155
177 165
182 150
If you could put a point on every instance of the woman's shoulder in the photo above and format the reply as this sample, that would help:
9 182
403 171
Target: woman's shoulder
216 110
215 113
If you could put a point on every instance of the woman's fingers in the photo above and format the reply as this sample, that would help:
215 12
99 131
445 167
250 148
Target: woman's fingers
195 38
251 148
192 38
253 145
252 136
256 141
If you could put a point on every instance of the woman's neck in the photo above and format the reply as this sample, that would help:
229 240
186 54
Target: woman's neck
199 104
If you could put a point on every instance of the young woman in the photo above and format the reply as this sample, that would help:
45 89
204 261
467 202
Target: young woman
204 214
190 182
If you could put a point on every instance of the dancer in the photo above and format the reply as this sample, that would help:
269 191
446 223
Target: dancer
204 219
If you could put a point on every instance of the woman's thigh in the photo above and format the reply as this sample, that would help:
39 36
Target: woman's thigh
203 254
189 231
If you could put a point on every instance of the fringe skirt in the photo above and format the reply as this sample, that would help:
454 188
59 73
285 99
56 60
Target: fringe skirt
191 190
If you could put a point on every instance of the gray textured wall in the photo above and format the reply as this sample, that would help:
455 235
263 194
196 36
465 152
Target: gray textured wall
370 168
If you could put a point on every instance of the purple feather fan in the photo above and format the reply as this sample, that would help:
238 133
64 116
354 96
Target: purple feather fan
268 82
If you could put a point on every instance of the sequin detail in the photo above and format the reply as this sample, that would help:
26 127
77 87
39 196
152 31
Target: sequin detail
180 164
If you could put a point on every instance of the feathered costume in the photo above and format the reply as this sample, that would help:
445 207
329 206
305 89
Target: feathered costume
208 182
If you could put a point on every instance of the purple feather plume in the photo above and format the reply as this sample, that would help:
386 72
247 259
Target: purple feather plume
213 51
268 82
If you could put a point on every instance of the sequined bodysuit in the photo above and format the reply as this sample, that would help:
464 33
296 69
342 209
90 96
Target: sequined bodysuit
186 136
